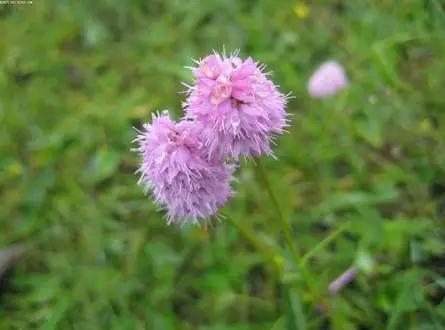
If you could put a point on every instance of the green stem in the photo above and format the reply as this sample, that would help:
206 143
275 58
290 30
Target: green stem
284 225
250 236
307 277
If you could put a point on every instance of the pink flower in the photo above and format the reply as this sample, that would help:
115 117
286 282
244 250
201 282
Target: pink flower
180 175
329 79
238 107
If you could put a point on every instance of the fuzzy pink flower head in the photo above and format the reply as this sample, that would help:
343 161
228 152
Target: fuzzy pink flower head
237 105
181 177
327 80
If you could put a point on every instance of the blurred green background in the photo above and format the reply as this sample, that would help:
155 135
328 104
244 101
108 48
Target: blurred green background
367 165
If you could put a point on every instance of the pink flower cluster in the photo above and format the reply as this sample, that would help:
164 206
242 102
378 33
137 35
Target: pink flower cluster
237 105
233 109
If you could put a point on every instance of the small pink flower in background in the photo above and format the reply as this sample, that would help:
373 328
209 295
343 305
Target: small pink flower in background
329 79
178 172
237 105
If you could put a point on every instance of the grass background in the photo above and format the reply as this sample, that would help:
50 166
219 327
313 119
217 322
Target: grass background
75 77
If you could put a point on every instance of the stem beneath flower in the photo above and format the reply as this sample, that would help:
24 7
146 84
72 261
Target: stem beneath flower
284 225
249 235
307 277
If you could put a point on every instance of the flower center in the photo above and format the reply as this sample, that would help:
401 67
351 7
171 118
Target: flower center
222 90
174 137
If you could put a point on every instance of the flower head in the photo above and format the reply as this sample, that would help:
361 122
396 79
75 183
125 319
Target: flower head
327 80
237 105
178 172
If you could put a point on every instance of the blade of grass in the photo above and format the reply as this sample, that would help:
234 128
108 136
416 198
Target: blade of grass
296 318
323 243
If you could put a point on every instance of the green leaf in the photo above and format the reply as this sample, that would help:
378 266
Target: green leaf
364 261
104 164
296 318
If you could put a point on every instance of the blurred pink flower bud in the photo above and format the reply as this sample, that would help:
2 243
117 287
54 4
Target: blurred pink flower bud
329 79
